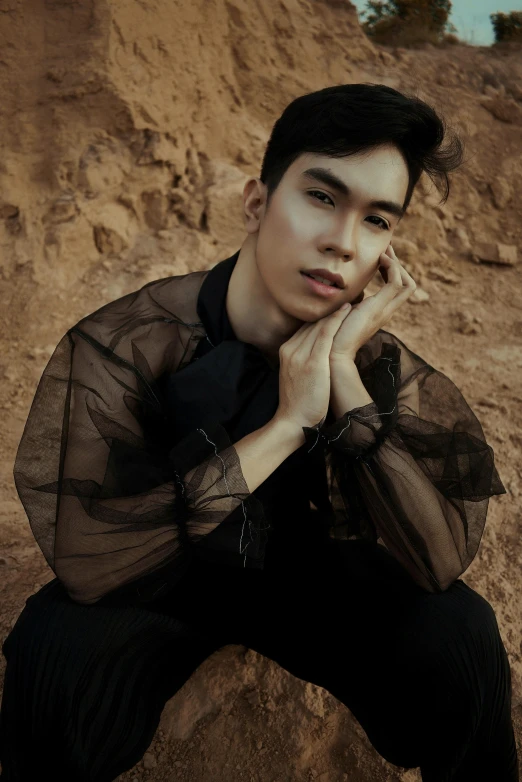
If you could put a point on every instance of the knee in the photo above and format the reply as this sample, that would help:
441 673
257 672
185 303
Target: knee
474 615
455 639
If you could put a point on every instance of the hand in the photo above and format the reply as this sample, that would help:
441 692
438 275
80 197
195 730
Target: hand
369 315
304 371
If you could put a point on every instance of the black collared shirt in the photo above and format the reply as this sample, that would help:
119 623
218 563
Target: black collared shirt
236 384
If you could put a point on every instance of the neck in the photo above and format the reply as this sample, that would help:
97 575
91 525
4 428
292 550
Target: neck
254 315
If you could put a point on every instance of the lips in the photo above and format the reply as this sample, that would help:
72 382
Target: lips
326 275
321 288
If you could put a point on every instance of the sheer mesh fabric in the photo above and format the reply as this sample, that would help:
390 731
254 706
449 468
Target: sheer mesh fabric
412 468
116 504
108 496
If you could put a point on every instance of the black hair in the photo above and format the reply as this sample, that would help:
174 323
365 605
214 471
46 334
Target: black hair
349 118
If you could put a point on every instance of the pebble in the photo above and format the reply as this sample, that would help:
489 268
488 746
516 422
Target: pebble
149 761
419 296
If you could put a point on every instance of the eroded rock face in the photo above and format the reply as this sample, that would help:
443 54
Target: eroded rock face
126 139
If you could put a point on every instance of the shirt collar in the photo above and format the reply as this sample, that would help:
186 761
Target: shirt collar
212 299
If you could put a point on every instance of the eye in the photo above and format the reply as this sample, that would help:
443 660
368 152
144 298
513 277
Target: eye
311 193
381 223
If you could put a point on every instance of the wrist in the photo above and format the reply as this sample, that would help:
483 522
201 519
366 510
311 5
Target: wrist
287 430
347 391
344 366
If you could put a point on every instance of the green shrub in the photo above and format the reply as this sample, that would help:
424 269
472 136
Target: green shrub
407 22
507 27
451 38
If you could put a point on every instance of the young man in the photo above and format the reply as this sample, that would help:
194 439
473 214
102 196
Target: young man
179 435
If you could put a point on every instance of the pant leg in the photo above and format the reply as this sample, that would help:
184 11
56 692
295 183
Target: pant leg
352 622
442 686
426 675
85 686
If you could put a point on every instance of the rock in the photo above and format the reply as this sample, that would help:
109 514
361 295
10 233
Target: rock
102 166
467 324
313 699
485 251
495 252
504 109
61 210
107 240
491 91
155 209
253 698
160 148
487 401
114 228
459 239
224 202
501 192
516 91
443 275
149 761
419 296
36 353
507 254
445 215
8 211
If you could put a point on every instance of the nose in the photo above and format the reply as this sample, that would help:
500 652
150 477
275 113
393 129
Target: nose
345 243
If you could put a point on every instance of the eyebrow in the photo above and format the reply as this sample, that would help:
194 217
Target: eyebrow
327 178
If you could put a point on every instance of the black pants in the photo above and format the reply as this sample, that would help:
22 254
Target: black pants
426 675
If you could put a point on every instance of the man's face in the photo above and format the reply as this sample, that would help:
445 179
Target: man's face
311 225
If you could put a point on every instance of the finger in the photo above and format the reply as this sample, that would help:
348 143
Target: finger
321 331
409 287
320 339
408 278
397 289
405 275
393 266
393 281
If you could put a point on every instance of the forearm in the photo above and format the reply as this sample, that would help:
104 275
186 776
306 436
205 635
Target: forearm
263 450
418 525
402 502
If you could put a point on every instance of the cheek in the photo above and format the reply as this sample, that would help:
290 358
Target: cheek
270 264
280 228
368 275
372 257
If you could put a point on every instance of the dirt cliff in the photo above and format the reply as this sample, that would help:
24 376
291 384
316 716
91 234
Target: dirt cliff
127 132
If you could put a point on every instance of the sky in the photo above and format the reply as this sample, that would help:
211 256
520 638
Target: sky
471 17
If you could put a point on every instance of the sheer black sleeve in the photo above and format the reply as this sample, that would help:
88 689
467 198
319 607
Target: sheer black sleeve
412 467
113 501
